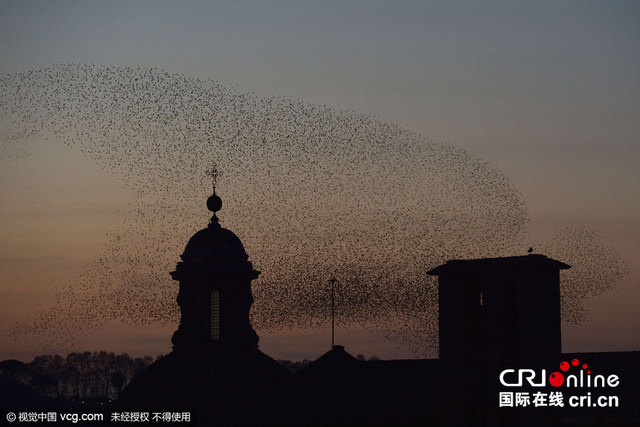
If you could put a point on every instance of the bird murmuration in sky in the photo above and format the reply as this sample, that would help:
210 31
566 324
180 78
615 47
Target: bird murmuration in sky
312 192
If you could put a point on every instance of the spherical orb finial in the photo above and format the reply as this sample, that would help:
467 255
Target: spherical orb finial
214 203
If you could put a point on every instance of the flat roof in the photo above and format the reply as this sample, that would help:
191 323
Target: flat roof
483 265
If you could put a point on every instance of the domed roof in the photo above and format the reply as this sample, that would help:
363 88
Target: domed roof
214 242
214 251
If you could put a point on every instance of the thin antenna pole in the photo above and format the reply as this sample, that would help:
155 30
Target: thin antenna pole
333 312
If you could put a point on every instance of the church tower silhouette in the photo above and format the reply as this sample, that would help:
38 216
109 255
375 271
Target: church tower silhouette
215 369
215 289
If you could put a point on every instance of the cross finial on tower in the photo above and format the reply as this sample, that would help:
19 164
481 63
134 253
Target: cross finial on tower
214 203
214 173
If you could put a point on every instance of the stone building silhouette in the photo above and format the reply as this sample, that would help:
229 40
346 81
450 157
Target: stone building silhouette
215 369
503 311
495 313
215 289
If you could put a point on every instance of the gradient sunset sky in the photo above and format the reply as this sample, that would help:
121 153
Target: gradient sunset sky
547 92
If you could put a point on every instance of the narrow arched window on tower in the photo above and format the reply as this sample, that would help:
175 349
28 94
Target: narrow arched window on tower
481 302
215 315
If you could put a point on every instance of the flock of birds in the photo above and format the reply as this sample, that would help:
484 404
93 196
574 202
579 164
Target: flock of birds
312 192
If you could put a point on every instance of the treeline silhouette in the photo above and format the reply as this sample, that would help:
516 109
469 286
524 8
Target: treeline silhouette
82 376
86 377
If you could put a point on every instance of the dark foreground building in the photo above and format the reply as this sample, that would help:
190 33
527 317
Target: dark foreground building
215 369
499 318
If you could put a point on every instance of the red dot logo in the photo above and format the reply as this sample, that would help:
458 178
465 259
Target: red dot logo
564 366
556 379
585 366
575 362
